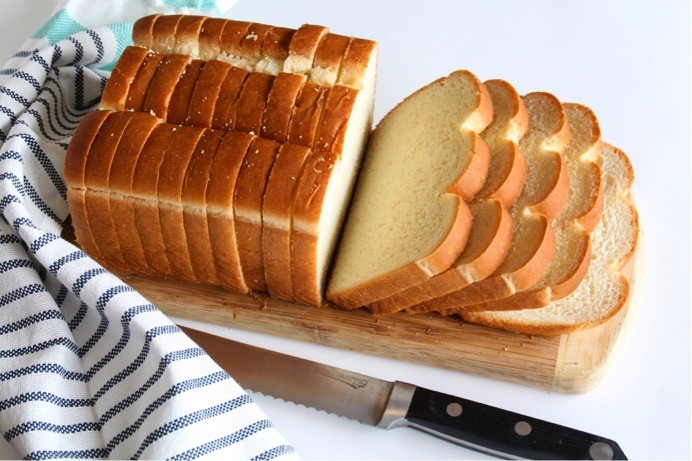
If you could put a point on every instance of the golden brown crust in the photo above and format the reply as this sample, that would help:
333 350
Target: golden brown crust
328 58
338 108
252 102
277 42
301 50
75 164
220 198
232 35
249 192
187 35
120 189
163 84
142 30
163 32
252 41
359 55
140 85
206 94
306 114
144 189
182 94
169 190
195 207
280 102
96 174
116 90
277 210
210 38
226 105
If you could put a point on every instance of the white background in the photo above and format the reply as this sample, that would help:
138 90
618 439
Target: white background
627 60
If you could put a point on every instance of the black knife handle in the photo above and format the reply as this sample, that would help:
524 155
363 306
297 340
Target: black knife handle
503 433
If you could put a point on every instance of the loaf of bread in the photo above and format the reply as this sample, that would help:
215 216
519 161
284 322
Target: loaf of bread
228 153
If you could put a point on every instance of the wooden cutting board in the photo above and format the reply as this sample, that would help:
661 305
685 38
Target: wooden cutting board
571 363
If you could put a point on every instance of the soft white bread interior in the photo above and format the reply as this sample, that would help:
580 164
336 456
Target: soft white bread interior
409 219
604 290
491 231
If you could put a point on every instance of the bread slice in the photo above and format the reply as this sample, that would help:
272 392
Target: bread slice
182 93
195 207
249 192
163 33
543 197
118 87
121 201
75 164
302 48
251 45
277 211
209 39
143 31
325 187
137 92
96 175
274 51
573 226
169 192
307 114
409 219
604 290
252 102
491 231
163 84
206 94
280 102
328 58
226 105
223 175
145 193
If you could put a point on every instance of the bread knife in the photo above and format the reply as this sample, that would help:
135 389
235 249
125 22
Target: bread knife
389 405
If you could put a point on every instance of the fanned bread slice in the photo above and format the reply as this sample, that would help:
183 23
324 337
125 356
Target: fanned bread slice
145 193
223 175
409 219
118 87
120 189
249 192
604 290
206 93
75 165
544 194
574 224
310 50
169 192
137 92
195 207
307 114
96 174
326 183
277 210
163 83
491 231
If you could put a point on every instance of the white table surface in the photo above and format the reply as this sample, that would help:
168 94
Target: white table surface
630 62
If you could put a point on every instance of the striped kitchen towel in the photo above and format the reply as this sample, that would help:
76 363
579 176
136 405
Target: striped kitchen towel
88 367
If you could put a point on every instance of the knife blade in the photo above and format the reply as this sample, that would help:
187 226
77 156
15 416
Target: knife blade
388 405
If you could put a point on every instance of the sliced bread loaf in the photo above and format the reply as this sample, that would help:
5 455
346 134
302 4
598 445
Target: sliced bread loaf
574 224
491 232
117 89
409 219
161 88
604 290
544 194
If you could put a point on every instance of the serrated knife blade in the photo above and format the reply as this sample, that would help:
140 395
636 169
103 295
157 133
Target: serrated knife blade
388 405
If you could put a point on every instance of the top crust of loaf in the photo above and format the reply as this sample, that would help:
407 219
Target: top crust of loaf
408 214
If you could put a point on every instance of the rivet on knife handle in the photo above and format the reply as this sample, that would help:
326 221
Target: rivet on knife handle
493 430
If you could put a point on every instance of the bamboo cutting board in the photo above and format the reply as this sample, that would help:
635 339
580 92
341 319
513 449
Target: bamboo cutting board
571 363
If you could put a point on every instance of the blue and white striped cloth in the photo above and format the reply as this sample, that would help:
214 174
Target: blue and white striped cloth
88 367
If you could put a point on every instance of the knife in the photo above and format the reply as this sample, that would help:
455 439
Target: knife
389 405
